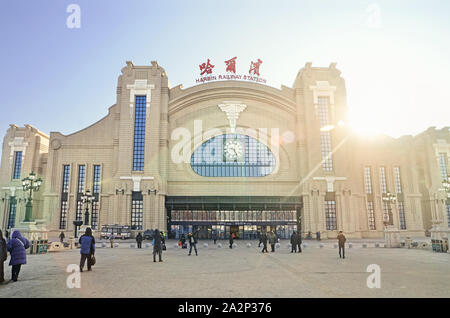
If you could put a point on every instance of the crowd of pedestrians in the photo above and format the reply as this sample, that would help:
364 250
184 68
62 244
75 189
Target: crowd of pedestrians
17 245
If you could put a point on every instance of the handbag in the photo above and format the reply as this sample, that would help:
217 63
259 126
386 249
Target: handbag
93 260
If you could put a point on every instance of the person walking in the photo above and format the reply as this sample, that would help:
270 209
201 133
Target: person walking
264 241
318 235
294 242
214 237
3 256
298 240
231 239
272 241
192 239
139 240
87 249
157 246
17 246
62 237
258 234
163 240
183 240
341 241
111 239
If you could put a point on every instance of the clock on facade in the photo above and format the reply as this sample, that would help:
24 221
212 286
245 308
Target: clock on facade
233 150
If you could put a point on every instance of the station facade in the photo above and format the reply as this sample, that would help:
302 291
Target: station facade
228 156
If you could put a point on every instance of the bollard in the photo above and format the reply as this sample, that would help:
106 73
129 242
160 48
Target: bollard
364 245
335 245
205 245
219 245
321 245
249 245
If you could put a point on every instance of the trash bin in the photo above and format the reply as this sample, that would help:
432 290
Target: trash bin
408 242
436 245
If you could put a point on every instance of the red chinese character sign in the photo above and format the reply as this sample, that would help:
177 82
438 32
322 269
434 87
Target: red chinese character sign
206 68
231 65
254 67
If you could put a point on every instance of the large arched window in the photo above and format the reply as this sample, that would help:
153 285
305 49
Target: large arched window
233 155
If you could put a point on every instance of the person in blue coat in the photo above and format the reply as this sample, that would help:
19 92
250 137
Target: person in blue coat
87 250
17 246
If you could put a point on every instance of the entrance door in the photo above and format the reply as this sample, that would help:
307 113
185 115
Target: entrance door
235 229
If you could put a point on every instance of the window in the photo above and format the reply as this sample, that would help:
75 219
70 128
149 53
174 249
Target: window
12 212
398 183
139 133
233 155
17 164
81 178
136 214
383 180
447 207
368 180
330 215
96 192
80 189
443 165
401 212
371 215
325 136
64 197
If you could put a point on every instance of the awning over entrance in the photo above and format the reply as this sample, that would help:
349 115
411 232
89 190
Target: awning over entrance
234 203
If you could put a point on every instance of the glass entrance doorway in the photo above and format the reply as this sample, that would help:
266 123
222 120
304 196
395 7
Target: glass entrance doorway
244 216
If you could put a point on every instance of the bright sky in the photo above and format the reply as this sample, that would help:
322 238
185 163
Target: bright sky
394 55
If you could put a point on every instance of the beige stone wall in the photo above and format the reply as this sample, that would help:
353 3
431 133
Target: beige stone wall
109 143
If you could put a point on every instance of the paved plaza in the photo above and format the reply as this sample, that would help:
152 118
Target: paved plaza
241 272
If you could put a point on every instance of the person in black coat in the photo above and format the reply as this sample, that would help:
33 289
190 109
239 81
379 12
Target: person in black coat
139 240
299 241
3 256
157 246
182 240
62 237
264 241
259 238
294 242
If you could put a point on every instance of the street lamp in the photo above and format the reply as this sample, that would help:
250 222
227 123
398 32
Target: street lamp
87 198
31 184
389 198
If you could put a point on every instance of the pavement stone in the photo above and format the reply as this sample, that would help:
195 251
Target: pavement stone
238 272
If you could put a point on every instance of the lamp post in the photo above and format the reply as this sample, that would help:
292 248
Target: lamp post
31 184
87 198
446 185
389 198
391 234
